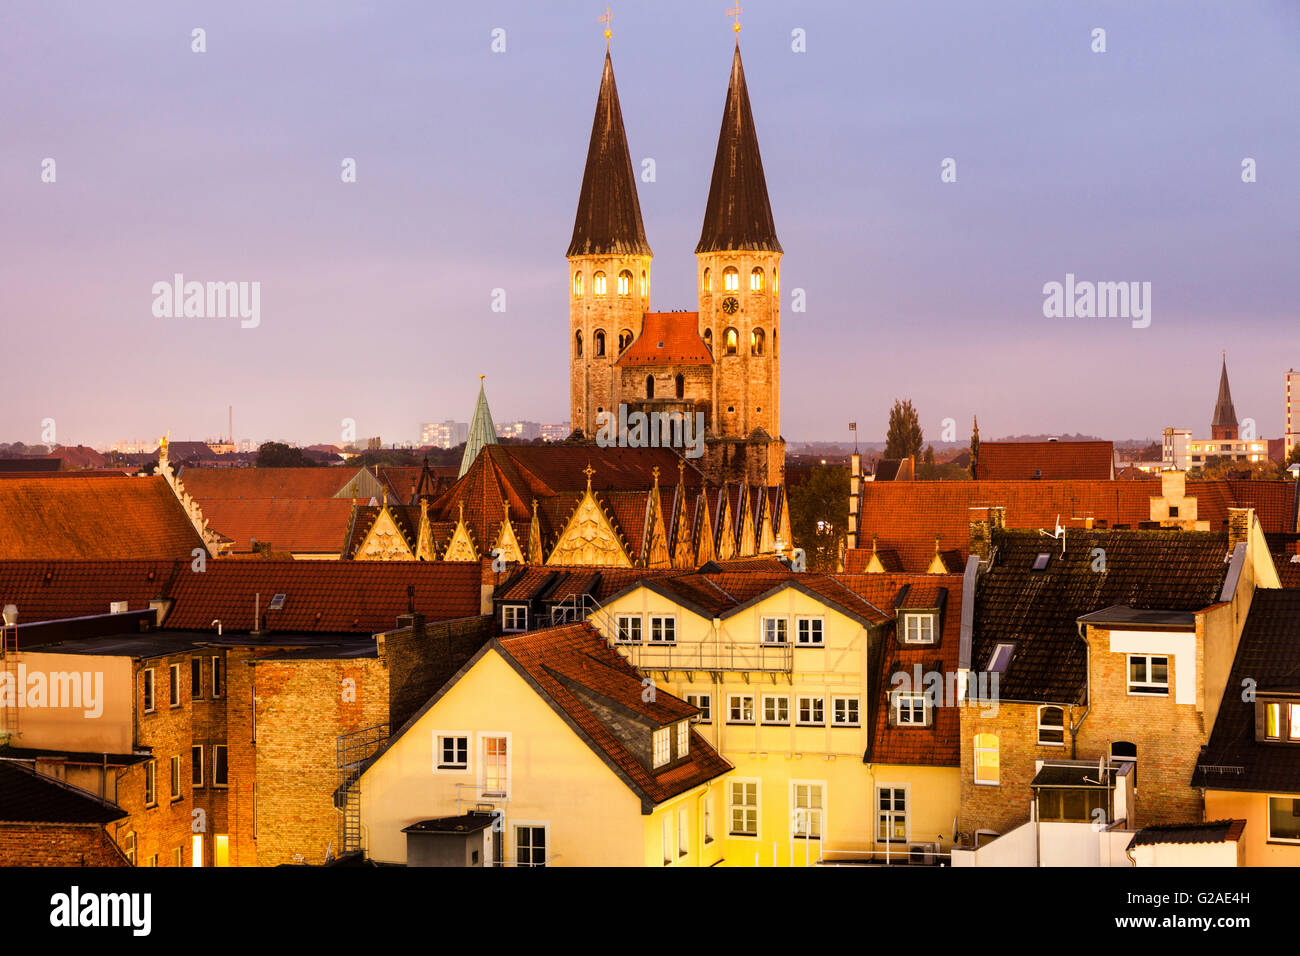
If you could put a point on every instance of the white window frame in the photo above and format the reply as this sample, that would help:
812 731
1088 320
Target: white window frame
176 780
1042 726
623 630
173 686
775 632
129 846
731 707
795 816
480 742
997 651
810 621
1268 812
149 691
151 782
896 700
756 807
511 613
661 747
215 763
657 626
836 701
705 703
813 721
515 827
1159 689
218 684
439 766
918 618
975 764
683 739
778 720
893 789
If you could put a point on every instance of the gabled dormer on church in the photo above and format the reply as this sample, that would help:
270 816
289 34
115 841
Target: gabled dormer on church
609 264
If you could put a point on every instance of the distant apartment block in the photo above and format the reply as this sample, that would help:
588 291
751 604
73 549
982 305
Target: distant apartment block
524 431
446 434
1292 436
1181 451
556 432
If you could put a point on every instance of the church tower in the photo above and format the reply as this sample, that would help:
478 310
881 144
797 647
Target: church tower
739 260
1224 424
609 265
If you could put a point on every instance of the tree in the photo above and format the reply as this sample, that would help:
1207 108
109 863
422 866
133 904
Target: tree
819 515
904 437
1294 457
274 454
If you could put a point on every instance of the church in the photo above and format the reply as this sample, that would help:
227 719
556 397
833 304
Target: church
721 362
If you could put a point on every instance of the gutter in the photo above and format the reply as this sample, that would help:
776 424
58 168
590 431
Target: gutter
1234 572
968 612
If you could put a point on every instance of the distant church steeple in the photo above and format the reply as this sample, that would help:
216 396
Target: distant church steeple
481 431
1224 424
738 215
609 213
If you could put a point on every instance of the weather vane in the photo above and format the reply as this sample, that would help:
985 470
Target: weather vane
735 12
607 18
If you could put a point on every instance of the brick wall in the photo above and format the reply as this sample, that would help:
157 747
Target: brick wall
31 844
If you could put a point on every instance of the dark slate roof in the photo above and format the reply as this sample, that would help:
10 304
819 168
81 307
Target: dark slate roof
1120 616
1038 610
609 214
1073 775
1269 654
465 823
1216 831
30 797
1224 414
738 214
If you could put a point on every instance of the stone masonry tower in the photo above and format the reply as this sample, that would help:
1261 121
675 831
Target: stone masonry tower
739 259
1224 424
609 265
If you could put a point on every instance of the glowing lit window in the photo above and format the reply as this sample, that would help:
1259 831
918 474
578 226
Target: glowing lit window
625 283
756 342
598 283
987 765
756 280
645 284
577 283
730 279
731 340
707 284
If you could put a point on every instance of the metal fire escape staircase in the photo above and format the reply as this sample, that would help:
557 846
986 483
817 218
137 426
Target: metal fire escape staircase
352 751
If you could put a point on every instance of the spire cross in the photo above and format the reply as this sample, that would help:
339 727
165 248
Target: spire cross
589 471
606 18
735 13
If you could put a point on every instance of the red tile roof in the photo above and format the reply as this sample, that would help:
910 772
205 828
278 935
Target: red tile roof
668 338
1046 460
298 525
904 517
104 517
204 483
568 662
323 596
49 590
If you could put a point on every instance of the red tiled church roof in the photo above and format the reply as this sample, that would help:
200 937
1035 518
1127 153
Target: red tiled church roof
668 338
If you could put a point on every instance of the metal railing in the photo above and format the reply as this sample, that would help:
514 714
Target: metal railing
351 751
712 656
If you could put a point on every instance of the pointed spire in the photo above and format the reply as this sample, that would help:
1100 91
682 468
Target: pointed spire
481 431
738 214
609 214
1225 416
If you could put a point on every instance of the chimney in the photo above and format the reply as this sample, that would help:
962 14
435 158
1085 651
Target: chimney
855 489
415 621
980 538
1239 523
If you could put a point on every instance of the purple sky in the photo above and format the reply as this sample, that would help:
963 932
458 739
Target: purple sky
376 295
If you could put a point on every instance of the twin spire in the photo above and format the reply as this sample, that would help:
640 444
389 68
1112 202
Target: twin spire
737 216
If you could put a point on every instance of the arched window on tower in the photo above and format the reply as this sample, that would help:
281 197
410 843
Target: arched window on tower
625 283
730 342
624 340
756 342
577 283
776 280
649 386
598 343
708 339
598 283
680 382
756 280
730 279
707 284
774 352
577 344
645 284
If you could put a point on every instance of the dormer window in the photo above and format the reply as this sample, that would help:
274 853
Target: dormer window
910 710
661 744
1280 719
918 628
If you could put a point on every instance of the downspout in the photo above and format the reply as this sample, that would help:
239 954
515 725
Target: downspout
1087 686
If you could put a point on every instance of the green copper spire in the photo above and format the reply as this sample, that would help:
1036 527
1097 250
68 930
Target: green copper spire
481 431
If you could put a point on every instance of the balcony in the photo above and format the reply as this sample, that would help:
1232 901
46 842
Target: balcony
746 656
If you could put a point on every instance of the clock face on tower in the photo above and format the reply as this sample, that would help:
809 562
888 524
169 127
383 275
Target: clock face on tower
730 305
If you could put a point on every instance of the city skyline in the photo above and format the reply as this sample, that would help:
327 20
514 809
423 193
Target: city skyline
229 170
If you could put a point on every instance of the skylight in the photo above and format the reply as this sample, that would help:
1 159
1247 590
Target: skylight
277 602
1001 658
1040 562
